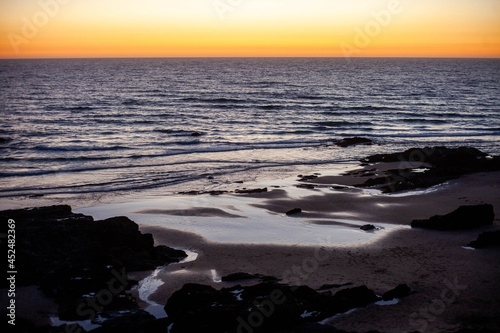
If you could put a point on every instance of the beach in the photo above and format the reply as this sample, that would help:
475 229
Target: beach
322 247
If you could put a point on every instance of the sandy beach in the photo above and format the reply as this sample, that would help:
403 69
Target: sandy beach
453 286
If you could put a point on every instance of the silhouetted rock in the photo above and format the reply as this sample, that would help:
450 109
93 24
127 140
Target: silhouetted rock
294 211
486 239
346 142
465 217
399 292
367 227
4 140
196 134
265 307
74 258
445 164
251 191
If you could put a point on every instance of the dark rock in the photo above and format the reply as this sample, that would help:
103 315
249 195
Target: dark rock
446 164
367 227
306 186
198 308
399 292
251 191
72 258
465 217
294 211
333 286
486 239
196 134
4 140
356 297
306 178
346 142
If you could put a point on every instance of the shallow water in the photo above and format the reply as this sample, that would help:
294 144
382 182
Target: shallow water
98 126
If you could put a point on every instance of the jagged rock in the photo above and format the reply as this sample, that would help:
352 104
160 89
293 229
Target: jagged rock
346 142
486 239
446 164
367 227
251 191
399 292
275 307
332 286
306 178
465 217
294 211
72 258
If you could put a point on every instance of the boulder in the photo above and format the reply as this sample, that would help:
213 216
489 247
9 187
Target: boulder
294 211
445 164
486 239
399 292
251 191
465 217
346 142
72 258
276 307
367 227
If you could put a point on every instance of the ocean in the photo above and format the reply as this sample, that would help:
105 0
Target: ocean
74 127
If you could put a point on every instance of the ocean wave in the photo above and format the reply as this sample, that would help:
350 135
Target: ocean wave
80 148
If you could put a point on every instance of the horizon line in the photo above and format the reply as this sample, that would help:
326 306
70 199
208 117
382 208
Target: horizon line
249 57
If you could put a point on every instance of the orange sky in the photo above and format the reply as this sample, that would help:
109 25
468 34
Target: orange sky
166 28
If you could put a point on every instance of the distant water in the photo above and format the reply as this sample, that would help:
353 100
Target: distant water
93 126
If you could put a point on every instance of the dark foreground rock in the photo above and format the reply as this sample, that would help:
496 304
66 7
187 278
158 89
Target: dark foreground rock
368 227
294 211
399 292
265 307
346 142
465 217
78 261
444 164
486 239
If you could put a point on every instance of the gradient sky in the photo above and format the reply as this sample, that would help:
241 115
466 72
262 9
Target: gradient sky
137 28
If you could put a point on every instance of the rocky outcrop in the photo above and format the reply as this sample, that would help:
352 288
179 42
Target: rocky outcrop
465 217
77 261
294 211
445 164
486 239
346 142
265 307
399 292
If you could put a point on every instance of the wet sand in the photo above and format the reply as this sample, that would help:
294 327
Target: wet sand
454 287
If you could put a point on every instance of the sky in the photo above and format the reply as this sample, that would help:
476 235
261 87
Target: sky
249 28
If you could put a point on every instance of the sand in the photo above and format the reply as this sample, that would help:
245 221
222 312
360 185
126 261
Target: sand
453 286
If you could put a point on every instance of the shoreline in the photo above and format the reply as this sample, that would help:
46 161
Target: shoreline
251 230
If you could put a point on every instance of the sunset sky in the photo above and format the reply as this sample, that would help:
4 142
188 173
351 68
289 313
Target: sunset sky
172 28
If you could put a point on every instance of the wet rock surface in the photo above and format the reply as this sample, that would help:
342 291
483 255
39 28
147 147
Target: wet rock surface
486 240
346 142
264 307
445 164
80 262
463 218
